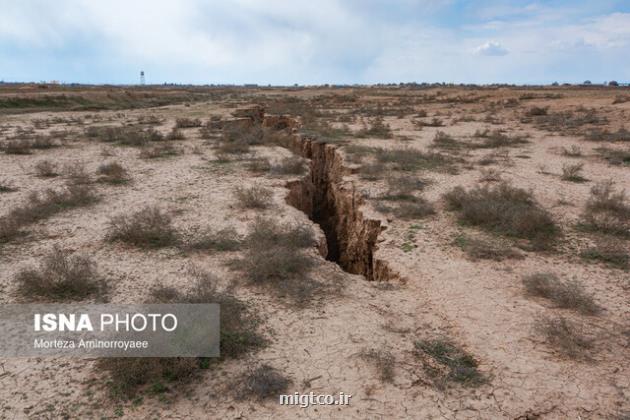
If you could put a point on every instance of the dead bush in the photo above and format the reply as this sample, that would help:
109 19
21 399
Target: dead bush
569 294
264 382
566 336
254 197
383 361
445 141
445 363
537 111
125 136
504 209
149 227
60 277
607 210
112 173
46 169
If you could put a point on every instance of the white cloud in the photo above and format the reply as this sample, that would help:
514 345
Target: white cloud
491 48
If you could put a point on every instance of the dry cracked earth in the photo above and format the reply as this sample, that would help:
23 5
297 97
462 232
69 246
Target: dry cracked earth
439 252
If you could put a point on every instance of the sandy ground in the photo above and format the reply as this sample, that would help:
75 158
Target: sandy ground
481 305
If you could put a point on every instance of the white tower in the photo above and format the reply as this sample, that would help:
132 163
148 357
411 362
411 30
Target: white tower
142 77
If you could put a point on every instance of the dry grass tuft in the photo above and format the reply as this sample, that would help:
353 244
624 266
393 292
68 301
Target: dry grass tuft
46 169
573 172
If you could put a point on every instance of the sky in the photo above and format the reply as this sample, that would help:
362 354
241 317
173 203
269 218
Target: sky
315 41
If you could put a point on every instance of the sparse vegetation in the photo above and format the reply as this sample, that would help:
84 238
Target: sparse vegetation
566 294
289 166
149 227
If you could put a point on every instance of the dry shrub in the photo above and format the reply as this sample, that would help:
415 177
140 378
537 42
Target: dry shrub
609 253
536 111
226 239
254 197
259 165
46 169
573 172
569 294
42 206
60 277
568 337
607 210
17 147
126 136
573 151
6 187
504 209
292 165
482 249
445 141
175 134
112 173
496 139
187 122
376 128
490 175
383 361
264 382
407 159
372 171
77 174
445 363
275 258
597 134
239 336
146 228
615 157
159 151
410 209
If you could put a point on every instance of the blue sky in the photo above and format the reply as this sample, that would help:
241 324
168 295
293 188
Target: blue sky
315 42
